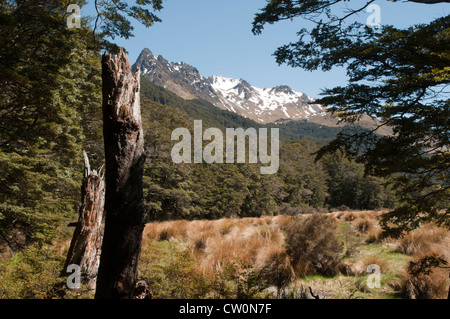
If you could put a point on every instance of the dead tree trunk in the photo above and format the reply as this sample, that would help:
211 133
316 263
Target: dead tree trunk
85 246
124 159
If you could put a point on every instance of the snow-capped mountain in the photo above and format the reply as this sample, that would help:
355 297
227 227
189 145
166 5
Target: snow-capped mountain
236 95
263 105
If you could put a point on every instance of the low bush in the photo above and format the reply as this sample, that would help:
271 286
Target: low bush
276 267
313 246
33 273
363 225
374 235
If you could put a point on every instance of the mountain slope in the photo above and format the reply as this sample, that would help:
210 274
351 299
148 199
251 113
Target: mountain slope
214 117
278 105
237 95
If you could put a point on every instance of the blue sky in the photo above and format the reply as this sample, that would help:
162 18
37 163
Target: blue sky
215 37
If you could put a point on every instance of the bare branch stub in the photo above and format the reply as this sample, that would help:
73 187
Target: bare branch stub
85 246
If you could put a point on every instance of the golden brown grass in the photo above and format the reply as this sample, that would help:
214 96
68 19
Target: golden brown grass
254 241
262 243
217 243
363 225
166 230
426 285
426 239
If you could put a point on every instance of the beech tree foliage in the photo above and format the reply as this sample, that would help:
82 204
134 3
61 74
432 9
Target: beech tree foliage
399 77
50 103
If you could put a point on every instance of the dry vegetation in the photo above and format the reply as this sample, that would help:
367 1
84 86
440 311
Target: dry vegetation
283 256
268 257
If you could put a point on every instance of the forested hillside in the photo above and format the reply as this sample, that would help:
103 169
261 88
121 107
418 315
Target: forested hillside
215 117
225 190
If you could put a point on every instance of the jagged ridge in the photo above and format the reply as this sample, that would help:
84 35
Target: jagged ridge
266 105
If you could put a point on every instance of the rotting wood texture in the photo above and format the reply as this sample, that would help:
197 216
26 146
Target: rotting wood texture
124 159
85 246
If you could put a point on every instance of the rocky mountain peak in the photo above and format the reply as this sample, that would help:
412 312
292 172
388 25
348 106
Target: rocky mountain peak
146 52
283 89
236 95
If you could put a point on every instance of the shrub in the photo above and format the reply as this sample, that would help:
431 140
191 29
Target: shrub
33 273
363 225
313 246
374 235
171 271
249 282
276 266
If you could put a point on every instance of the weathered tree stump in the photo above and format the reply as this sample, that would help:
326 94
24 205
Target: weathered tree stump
124 160
85 246
142 290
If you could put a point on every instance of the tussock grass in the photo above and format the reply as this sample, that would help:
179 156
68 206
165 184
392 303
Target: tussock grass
287 252
363 225
433 283
428 238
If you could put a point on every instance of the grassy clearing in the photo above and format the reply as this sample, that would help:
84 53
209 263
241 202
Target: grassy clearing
325 255
285 257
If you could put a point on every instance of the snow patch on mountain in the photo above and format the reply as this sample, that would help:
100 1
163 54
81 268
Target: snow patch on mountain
237 92
264 105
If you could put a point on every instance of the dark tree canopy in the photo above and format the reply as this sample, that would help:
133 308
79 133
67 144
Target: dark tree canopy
50 96
399 77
